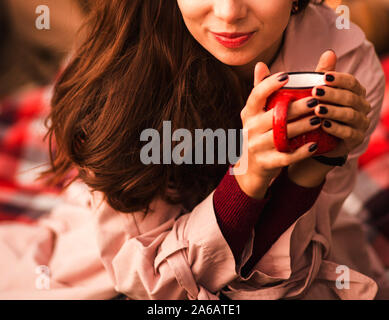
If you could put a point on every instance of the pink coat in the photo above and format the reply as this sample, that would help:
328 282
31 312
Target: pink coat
94 252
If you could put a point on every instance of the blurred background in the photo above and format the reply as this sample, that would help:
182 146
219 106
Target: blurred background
30 56
372 16
30 59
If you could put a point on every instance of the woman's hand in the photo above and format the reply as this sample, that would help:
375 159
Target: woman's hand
344 108
264 161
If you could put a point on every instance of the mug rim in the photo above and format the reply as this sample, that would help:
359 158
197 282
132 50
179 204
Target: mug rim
302 72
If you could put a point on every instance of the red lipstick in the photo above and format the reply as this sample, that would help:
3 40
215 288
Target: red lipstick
232 40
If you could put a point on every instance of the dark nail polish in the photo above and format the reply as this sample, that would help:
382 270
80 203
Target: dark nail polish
327 124
323 110
315 121
313 147
283 77
312 103
330 77
320 92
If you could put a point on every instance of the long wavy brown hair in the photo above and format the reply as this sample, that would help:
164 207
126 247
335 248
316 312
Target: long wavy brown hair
139 66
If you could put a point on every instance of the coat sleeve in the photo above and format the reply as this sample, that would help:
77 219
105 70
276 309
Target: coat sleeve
184 258
365 65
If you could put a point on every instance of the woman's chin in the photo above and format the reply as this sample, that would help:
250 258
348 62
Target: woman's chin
234 59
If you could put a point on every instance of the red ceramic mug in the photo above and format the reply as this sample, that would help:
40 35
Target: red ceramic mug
299 86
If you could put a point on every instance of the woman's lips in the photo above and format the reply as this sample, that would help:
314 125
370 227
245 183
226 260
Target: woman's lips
232 40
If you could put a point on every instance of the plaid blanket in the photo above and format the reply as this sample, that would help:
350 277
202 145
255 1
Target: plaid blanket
23 154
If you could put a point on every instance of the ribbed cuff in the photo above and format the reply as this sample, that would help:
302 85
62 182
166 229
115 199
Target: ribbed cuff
236 212
292 197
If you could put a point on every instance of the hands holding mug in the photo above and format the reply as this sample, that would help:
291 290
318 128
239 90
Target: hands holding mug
338 107
264 161
344 115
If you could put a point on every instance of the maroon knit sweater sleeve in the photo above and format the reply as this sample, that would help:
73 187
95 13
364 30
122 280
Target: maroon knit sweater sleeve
288 203
237 213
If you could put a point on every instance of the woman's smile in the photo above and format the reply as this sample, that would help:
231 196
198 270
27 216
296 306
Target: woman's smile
233 40
238 33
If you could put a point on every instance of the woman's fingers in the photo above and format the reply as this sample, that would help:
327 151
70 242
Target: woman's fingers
304 152
344 81
273 158
350 135
341 97
347 115
264 122
261 71
263 141
257 99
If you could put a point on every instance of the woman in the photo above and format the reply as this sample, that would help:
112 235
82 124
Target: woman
195 231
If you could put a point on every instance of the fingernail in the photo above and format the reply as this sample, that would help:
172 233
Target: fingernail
282 77
327 124
323 110
330 77
314 121
320 92
313 147
312 103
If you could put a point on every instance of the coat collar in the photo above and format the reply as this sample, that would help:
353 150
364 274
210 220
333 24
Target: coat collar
311 33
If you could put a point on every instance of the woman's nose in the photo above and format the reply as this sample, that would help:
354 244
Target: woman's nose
229 10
